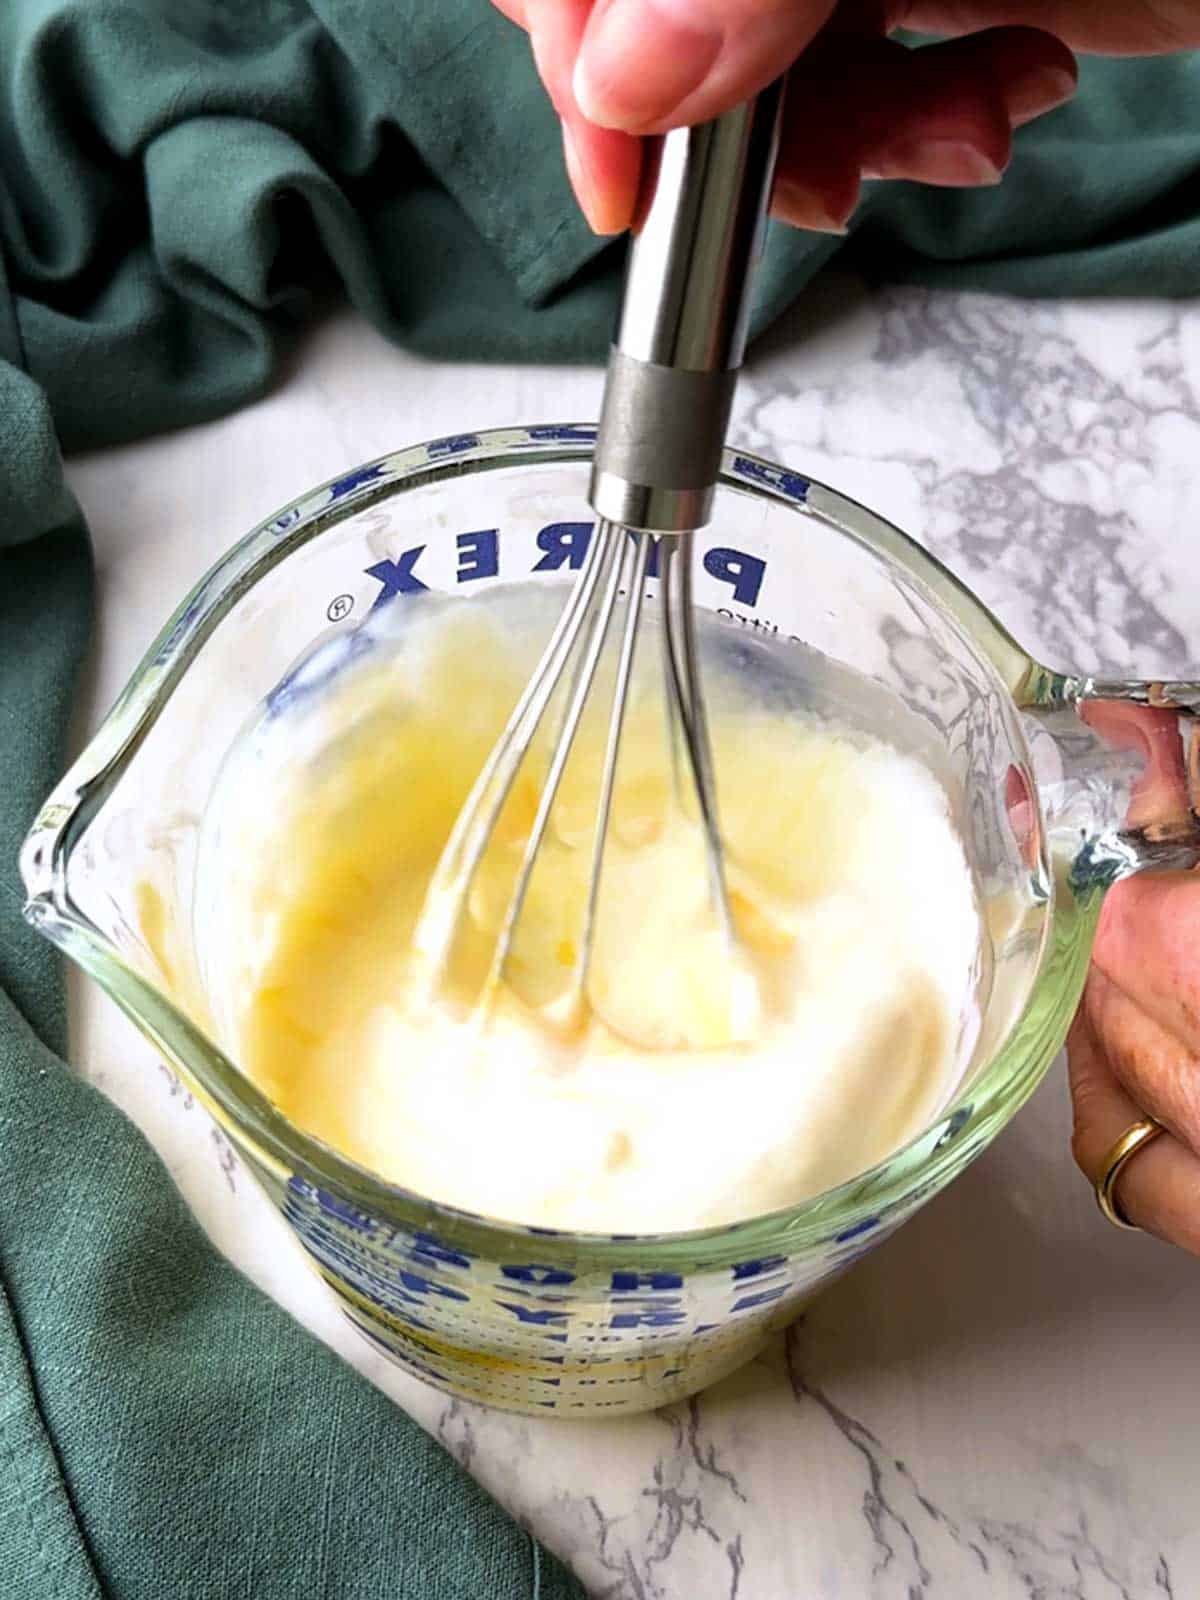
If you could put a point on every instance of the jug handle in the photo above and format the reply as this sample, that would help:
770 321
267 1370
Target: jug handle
1118 776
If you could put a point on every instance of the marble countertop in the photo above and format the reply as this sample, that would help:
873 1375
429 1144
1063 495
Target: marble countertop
1003 1400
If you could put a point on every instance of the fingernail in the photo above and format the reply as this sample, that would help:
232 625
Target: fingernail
1038 91
581 180
951 163
639 59
808 208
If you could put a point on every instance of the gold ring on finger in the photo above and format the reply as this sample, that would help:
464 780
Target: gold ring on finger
1127 1146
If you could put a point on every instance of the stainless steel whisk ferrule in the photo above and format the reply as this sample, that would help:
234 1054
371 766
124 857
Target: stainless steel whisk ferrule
667 397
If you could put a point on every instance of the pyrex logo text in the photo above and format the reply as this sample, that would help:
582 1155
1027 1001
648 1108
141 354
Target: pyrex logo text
561 544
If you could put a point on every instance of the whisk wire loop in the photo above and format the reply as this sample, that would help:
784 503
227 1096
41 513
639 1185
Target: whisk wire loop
612 560
445 901
617 561
687 714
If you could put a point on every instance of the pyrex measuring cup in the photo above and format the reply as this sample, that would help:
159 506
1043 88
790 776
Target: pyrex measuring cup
526 1317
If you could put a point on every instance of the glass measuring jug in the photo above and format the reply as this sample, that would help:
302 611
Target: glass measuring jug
531 1318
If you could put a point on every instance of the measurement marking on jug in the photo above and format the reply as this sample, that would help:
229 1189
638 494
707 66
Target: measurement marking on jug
340 606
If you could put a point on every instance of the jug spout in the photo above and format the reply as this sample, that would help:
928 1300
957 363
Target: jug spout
1117 769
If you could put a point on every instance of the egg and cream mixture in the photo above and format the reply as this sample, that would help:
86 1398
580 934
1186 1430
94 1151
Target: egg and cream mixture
702 1080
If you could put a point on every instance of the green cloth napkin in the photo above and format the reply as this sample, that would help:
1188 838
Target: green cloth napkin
179 180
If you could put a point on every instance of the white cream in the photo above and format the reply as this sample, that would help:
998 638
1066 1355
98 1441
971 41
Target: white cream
833 1040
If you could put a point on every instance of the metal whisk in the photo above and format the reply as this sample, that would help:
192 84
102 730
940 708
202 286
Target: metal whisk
667 398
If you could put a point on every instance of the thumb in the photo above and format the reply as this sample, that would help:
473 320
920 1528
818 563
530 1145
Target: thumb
649 65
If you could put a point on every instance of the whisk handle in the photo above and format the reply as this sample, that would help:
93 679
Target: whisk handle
682 328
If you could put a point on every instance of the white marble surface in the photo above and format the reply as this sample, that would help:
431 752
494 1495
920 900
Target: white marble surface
1003 1401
